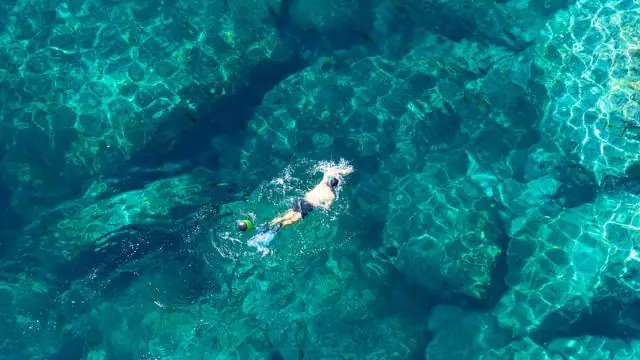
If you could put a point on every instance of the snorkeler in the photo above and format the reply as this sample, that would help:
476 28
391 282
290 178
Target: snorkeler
321 196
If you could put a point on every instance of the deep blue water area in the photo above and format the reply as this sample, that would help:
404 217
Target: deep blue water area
492 211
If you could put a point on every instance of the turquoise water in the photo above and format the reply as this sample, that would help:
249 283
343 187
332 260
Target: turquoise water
492 213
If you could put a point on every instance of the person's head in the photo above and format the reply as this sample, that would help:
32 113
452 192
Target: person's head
333 182
244 225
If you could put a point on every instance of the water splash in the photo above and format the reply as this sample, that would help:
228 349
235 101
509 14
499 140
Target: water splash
261 241
324 165
311 236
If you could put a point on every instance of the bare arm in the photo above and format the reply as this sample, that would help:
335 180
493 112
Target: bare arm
338 171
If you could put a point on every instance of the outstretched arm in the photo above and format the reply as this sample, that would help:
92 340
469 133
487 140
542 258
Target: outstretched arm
338 170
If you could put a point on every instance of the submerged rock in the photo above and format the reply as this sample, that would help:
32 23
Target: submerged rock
572 269
88 92
446 230
93 227
593 86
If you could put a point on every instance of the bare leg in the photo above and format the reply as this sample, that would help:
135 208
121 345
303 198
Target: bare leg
286 219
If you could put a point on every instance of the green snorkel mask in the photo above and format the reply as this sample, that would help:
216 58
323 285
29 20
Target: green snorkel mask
245 225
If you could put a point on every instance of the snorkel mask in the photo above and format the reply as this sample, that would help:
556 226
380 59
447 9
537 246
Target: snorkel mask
333 182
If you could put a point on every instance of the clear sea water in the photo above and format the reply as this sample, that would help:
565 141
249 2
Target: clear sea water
492 213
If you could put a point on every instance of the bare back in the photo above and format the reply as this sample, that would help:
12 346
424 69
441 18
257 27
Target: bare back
321 195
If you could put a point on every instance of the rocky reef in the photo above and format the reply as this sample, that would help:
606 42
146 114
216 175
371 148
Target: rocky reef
492 213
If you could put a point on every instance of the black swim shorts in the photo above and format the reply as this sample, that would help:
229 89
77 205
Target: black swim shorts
302 206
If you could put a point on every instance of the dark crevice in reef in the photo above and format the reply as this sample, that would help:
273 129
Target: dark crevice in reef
127 257
605 318
227 115
113 258
450 22
109 264
454 28
405 297
230 113
630 183
118 247
357 31
9 220
578 185
75 347
498 284
281 17
11 224
411 301
548 8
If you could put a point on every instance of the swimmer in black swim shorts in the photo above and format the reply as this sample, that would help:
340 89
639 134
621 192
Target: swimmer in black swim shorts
322 196
302 206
